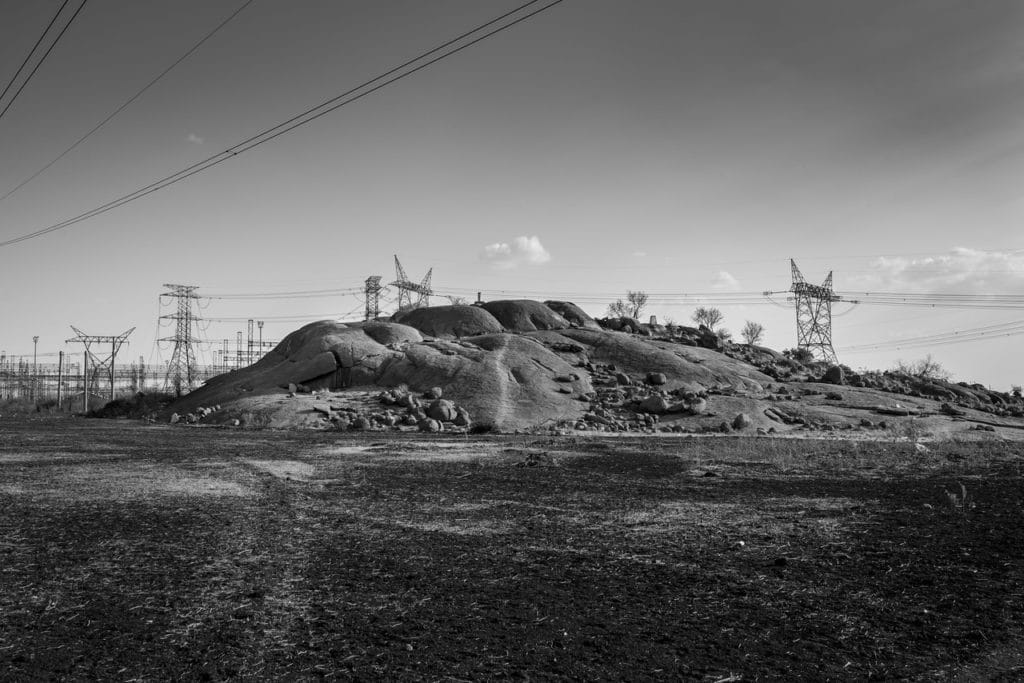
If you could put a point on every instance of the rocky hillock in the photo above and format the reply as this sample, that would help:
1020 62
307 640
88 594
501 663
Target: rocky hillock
526 365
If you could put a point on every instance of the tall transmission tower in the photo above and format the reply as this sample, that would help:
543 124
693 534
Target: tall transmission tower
372 294
100 360
181 371
407 288
814 315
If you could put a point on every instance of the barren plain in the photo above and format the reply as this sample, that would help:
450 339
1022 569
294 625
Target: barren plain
137 551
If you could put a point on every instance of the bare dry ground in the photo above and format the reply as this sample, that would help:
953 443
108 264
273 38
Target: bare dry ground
142 552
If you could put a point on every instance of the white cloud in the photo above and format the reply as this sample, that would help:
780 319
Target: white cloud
194 139
521 251
639 254
725 282
963 270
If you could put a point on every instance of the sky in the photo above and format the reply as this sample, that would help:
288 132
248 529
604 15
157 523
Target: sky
669 146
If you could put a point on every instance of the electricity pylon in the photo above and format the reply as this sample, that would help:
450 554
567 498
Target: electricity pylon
181 371
372 294
406 288
814 315
100 361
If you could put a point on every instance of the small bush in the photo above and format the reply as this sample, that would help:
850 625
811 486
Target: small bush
138 406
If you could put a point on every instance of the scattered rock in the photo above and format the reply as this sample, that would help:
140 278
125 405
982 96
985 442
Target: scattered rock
834 375
433 393
430 426
656 378
442 410
623 379
948 409
175 418
697 407
656 405
741 421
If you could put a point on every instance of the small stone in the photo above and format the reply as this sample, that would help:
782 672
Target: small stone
741 421
656 378
698 407
442 410
834 375
429 425
654 404
175 418
623 379
433 393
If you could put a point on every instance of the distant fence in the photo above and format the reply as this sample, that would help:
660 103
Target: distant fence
21 379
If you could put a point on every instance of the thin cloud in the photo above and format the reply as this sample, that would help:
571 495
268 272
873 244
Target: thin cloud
725 282
194 139
963 270
522 251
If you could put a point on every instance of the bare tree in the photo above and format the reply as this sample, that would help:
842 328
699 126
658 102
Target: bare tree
458 300
926 368
752 332
709 317
637 303
618 309
632 307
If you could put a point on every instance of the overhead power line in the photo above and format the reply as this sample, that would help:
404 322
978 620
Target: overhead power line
31 52
1007 329
128 102
939 300
302 294
41 59
447 49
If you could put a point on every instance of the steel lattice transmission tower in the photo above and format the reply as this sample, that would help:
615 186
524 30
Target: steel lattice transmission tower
406 288
372 292
814 315
99 361
181 371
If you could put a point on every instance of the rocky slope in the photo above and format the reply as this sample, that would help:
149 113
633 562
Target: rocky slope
526 365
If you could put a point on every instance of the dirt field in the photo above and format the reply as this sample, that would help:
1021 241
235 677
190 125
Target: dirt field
153 552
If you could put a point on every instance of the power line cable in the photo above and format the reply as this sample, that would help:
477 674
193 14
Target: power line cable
43 58
301 294
310 115
128 102
940 339
31 52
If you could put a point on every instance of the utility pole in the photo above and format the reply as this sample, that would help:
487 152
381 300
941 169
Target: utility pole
259 354
35 365
249 341
60 378
814 315
181 371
